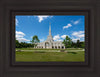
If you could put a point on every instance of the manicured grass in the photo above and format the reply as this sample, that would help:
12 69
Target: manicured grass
48 49
44 56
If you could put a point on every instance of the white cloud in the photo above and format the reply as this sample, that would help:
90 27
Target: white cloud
20 37
63 36
42 17
16 22
20 33
56 37
59 38
67 26
79 34
75 40
75 22
22 40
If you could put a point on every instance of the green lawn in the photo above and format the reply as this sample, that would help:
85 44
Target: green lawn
50 49
29 55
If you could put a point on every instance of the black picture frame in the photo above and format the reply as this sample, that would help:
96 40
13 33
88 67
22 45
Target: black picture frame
13 13
9 68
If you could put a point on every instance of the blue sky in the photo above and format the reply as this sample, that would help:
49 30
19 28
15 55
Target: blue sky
61 26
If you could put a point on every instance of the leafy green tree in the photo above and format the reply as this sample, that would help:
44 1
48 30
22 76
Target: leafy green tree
35 40
78 43
82 44
23 44
67 42
17 44
73 45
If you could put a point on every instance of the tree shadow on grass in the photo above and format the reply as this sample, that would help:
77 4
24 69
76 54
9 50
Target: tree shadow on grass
73 52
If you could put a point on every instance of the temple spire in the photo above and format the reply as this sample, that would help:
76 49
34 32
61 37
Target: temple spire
49 28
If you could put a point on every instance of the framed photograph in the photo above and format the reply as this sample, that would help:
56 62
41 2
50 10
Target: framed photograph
44 40
50 38
47 43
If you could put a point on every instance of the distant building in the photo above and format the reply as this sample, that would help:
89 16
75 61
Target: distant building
50 43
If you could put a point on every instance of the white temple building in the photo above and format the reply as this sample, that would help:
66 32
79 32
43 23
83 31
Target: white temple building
50 43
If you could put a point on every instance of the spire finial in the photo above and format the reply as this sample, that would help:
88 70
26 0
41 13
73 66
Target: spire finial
49 28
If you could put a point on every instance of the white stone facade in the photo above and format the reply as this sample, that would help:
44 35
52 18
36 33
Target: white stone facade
50 43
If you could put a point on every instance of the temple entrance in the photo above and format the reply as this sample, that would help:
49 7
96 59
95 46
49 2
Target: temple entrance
52 47
47 45
58 47
62 47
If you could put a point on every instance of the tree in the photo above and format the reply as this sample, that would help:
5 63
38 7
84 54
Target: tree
78 43
73 45
82 44
23 44
67 42
35 40
17 44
